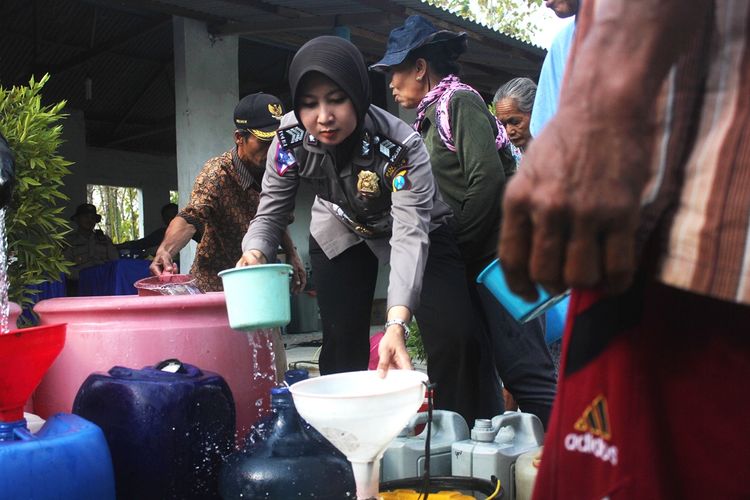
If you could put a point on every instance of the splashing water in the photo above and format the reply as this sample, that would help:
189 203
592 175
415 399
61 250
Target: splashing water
4 284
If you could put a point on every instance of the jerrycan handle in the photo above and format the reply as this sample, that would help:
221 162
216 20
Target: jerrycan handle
523 424
447 425
176 367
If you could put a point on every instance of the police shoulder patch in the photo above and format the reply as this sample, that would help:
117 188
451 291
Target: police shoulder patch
401 181
284 159
290 137
391 169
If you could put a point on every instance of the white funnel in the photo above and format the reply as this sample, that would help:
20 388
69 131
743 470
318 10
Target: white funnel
360 414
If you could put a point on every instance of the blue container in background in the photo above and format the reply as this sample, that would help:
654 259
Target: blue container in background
67 458
167 426
494 279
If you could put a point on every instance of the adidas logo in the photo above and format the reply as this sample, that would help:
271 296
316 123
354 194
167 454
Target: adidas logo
595 419
594 424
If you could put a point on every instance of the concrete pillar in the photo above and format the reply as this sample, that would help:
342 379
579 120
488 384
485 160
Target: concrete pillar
73 149
206 92
154 197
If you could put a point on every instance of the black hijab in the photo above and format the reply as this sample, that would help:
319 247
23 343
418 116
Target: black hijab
339 60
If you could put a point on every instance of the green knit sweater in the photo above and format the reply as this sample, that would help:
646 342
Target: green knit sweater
472 178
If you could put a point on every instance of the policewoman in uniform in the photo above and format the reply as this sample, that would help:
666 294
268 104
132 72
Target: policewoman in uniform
376 201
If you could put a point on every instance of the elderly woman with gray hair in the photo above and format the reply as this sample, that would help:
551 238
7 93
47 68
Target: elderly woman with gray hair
513 103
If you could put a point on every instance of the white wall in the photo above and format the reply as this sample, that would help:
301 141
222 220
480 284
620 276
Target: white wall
154 175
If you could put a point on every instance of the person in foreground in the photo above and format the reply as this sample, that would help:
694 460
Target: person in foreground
225 197
376 201
638 196
471 159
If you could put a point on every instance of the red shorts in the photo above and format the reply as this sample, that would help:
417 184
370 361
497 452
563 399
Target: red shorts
653 400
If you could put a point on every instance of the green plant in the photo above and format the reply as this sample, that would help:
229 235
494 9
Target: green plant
414 345
512 17
35 229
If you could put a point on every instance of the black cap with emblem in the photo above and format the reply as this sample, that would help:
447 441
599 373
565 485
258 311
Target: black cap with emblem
260 114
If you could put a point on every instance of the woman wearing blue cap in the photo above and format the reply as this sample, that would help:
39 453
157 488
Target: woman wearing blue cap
472 159
376 202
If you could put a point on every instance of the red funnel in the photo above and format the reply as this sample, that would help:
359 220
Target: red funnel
25 356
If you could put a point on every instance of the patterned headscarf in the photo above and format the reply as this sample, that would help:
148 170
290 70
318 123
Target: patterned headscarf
442 93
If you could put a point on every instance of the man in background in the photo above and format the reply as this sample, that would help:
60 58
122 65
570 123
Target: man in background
225 198
149 243
553 68
87 246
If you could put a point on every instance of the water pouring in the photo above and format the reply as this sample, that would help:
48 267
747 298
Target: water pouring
7 181
360 413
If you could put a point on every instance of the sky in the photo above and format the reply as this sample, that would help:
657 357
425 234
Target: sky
549 24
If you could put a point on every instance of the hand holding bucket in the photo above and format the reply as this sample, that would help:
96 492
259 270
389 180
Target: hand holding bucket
494 279
257 296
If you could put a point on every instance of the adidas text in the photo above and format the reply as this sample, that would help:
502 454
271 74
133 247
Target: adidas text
586 443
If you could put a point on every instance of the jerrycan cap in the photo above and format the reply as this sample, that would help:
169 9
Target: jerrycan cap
281 397
483 431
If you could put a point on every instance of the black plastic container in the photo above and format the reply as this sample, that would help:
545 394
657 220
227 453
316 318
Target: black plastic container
168 428
292 461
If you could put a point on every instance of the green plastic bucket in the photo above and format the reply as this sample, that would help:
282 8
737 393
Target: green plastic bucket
257 296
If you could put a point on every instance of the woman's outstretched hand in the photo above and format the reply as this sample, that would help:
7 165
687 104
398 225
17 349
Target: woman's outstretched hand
392 351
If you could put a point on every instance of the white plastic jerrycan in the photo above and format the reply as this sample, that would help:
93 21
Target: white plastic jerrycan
405 456
494 447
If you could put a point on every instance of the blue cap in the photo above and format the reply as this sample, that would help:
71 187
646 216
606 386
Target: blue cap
416 32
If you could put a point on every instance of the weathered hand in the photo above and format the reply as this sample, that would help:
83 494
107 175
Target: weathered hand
392 351
162 263
299 274
571 212
251 257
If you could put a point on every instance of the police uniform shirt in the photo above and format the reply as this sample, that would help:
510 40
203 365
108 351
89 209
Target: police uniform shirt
386 196
88 250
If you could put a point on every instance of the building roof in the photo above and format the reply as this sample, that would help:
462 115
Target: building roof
122 52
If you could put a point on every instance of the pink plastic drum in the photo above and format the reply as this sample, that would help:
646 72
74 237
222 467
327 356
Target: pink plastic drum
135 331
167 284
15 312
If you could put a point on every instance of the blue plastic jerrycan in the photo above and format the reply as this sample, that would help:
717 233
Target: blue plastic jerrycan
291 461
67 458
168 428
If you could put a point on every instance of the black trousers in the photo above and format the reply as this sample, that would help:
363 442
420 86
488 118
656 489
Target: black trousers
452 333
521 356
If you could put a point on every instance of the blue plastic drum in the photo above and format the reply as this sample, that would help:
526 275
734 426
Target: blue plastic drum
67 458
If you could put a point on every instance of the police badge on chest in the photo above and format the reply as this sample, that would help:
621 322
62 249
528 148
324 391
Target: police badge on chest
368 184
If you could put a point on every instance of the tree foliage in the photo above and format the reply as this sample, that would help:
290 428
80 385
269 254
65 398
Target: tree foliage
120 210
512 17
35 229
